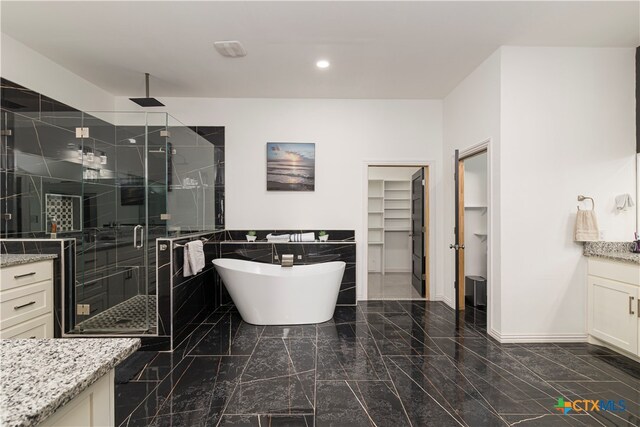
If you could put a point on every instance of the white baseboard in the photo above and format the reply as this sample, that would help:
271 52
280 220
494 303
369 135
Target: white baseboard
536 338
444 299
493 334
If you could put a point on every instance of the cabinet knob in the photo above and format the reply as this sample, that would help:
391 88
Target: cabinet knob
631 305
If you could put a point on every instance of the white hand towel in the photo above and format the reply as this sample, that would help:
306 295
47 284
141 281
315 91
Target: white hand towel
277 238
586 226
186 267
624 201
193 258
303 237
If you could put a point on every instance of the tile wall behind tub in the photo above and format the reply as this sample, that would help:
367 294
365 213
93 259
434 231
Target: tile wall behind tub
261 235
341 247
183 302
63 269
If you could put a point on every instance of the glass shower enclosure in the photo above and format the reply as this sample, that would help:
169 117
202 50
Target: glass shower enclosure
114 181
155 180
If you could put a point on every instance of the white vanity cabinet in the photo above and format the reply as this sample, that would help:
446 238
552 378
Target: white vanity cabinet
92 408
26 300
613 304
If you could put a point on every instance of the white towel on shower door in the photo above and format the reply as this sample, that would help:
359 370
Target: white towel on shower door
193 258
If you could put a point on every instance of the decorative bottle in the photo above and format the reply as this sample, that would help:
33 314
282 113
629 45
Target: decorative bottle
54 228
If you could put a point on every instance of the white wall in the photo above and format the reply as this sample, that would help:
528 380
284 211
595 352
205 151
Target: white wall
567 129
395 173
32 70
471 114
346 133
560 123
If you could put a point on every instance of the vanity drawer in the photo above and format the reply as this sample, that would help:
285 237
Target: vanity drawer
19 275
40 327
615 270
24 303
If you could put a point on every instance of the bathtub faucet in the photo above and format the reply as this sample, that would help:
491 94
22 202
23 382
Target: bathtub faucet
286 260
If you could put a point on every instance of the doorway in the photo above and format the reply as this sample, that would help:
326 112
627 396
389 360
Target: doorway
397 232
471 236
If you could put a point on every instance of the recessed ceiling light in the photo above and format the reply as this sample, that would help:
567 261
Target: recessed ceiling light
323 63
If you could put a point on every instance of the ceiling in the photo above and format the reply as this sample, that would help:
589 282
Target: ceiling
377 49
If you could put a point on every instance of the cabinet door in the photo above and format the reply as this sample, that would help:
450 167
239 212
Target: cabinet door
612 313
92 408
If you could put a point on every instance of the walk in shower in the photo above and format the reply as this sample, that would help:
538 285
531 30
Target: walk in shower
115 182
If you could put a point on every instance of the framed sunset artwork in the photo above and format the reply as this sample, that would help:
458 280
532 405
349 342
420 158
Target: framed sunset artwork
291 166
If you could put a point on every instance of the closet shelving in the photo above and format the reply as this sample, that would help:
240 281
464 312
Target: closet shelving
483 210
376 212
397 206
389 211
476 207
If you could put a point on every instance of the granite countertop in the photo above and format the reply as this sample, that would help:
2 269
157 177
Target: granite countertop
616 251
7 260
38 376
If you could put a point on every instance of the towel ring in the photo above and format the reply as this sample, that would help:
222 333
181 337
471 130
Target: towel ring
583 198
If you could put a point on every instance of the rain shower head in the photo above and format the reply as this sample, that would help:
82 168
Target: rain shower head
147 102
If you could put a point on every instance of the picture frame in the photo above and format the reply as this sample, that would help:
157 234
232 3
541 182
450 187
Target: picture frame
291 166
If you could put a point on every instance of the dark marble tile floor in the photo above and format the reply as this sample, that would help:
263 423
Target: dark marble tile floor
382 363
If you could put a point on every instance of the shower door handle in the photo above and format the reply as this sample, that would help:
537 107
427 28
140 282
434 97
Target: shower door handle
141 237
135 237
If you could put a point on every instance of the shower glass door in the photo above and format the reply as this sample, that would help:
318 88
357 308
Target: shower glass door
144 176
124 164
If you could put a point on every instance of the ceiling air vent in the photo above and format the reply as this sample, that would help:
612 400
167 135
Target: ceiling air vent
231 49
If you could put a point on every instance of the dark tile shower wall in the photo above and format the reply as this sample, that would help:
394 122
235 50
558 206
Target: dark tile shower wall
163 280
38 156
37 149
215 135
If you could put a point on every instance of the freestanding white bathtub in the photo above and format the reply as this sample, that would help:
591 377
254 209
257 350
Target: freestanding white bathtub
267 294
